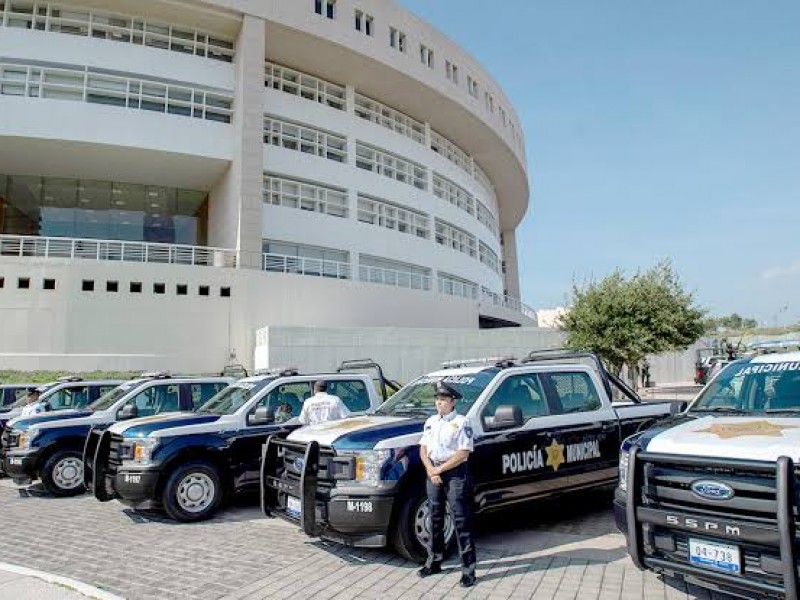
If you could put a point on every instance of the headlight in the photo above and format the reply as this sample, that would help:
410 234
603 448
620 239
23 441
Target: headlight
143 450
623 470
26 438
368 465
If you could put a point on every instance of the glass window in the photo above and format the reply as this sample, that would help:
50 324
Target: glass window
354 394
523 391
285 401
575 392
69 398
201 392
157 399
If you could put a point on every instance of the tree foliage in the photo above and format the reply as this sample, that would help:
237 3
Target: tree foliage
624 320
733 322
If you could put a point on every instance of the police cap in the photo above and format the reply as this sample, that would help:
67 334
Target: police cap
442 389
33 390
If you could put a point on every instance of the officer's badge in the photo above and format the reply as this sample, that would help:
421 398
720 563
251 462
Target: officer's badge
468 431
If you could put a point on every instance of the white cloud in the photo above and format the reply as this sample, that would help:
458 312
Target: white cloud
782 271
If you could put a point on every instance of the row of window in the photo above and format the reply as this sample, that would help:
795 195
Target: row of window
291 193
390 165
399 41
333 95
457 196
283 257
86 85
313 197
301 138
45 16
113 286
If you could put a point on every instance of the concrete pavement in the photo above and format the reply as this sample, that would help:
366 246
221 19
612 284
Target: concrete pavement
565 549
21 582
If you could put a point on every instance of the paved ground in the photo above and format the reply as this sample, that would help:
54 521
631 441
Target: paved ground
564 550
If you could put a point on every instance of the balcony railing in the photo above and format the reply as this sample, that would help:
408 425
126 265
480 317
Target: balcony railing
280 263
508 302
115 250
401 279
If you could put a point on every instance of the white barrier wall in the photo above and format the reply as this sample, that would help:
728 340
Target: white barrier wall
404 353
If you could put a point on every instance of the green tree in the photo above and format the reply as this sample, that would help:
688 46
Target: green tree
624 320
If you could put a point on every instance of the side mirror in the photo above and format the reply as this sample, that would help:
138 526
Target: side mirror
46 406
260 417
507 416
129 411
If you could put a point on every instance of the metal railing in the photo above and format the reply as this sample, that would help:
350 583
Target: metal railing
401 279
508 302
317 267
115 250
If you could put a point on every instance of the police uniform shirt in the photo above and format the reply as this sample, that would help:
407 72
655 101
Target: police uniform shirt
444 436
32 409
322 407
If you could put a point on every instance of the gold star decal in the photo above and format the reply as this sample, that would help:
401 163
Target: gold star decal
555 454
727 431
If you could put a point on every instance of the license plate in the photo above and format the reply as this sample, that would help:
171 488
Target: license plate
15 460
712 555
293 508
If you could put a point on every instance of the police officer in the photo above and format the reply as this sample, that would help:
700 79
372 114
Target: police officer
322 406
444 450
32 404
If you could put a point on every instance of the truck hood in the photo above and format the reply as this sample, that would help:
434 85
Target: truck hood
144 426
754 438
357 433
50 418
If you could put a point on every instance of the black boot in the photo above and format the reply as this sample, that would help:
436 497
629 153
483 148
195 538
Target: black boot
467 580
426 571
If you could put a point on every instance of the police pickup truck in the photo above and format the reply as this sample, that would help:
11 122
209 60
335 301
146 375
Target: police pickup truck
710 496
542 427
49 446
187 463
62 394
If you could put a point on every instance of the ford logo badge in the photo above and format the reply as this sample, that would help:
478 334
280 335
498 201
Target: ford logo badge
298 464
712 490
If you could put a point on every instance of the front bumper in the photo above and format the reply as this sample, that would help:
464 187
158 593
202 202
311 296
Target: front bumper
135 487
657 537
21 465
345 513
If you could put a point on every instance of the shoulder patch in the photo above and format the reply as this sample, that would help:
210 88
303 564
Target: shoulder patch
468 430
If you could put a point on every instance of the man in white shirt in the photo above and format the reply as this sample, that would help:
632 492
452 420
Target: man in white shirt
322 406
32 404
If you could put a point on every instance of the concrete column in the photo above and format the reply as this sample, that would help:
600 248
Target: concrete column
235 202
511 276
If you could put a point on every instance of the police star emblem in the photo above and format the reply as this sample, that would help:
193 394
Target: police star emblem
555 454
726 431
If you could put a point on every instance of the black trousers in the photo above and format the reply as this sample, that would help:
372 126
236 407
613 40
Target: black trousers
456 489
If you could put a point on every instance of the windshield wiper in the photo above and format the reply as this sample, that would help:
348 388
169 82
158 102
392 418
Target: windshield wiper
722 409
793 409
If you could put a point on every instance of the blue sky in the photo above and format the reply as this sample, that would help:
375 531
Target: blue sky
654 129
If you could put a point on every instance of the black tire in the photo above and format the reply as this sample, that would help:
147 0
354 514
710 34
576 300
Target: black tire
408 535
193 492
62 473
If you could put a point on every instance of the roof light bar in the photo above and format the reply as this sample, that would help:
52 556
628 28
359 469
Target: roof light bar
499 361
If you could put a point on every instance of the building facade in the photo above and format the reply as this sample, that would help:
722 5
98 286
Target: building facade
175 175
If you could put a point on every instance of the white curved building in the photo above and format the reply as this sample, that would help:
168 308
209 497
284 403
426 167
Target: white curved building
176 175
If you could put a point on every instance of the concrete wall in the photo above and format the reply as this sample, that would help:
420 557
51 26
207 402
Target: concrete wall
403 353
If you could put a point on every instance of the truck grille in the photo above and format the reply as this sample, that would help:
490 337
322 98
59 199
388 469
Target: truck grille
291 464
116 451
760 518
9 439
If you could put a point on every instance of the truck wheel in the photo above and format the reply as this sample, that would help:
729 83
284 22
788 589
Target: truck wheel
62 474
193 492
412 531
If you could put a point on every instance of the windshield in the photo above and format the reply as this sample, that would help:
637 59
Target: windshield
753 388
107 400
233 397
417 399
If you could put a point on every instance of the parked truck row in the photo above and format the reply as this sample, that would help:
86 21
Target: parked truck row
706 493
